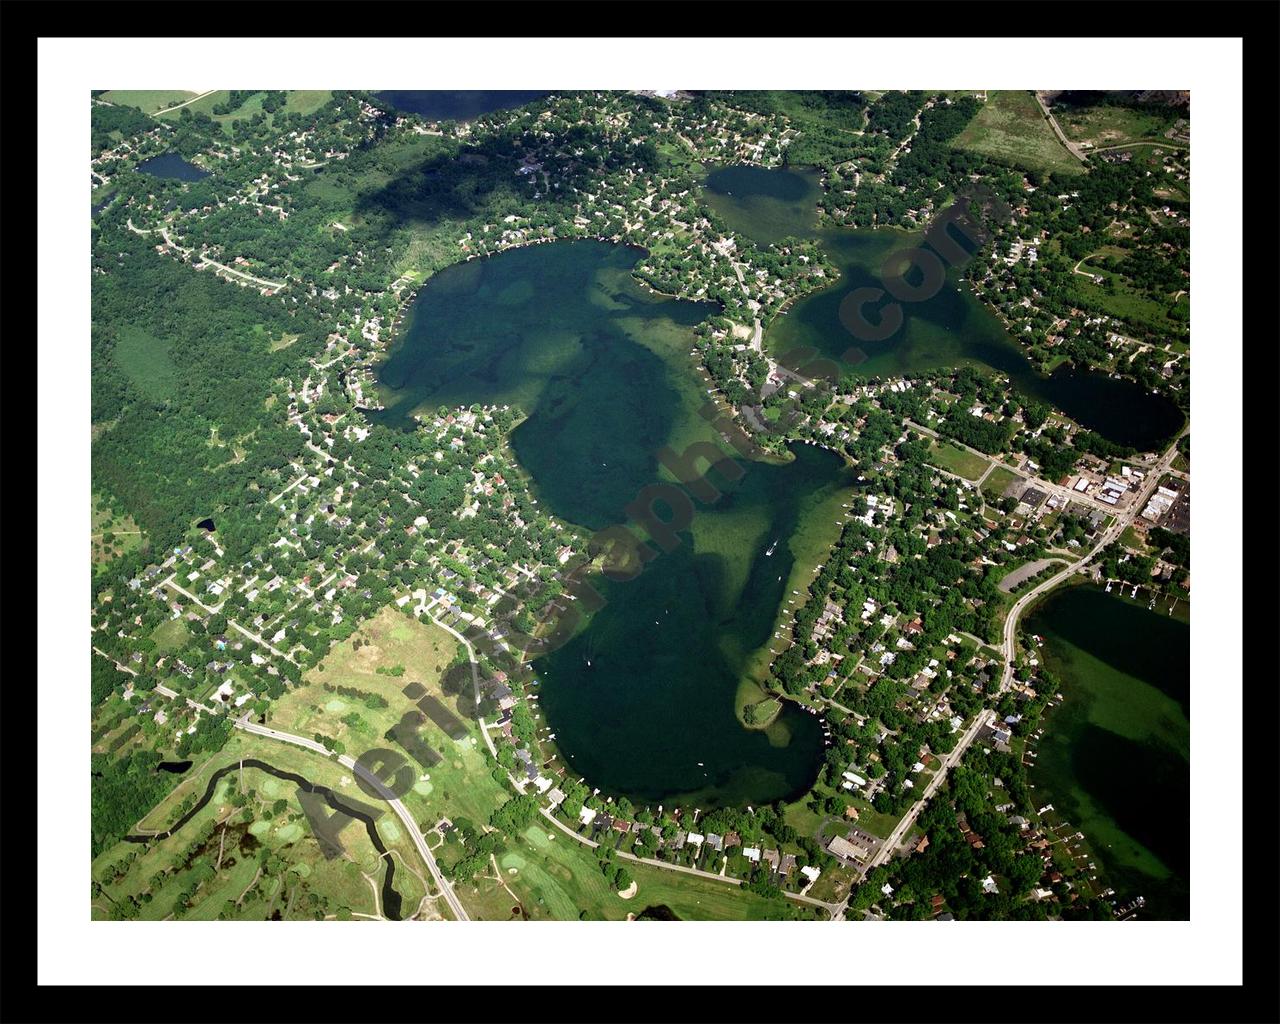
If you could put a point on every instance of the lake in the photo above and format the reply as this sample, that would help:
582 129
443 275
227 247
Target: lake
948 329
171 165
458 105
765 204
650 687
1114 758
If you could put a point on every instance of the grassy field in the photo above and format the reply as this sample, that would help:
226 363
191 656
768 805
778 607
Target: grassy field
1117 297
956 460
1131 540
995 485
111 535
171 635
461 782
147 361
1011 129
148 100
1106 125
302 101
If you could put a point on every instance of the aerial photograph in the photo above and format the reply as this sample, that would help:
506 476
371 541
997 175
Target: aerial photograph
655 505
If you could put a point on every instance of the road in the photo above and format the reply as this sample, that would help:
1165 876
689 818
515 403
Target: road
1072 148
1047 486
206 261
1150 481
259 641
186 593
948 762
393 802
1122 521
475 678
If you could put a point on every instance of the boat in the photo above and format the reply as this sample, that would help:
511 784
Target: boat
769 551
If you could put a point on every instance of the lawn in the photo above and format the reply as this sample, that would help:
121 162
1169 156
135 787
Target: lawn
956 460
171 635
1011 129
998 482
305 101
1132 541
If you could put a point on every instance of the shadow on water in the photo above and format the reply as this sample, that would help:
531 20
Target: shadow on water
391 900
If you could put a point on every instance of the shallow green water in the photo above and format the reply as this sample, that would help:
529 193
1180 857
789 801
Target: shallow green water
948 328
765 204
604 371
953 328
1114 759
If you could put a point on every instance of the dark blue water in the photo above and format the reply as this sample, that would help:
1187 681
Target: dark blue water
170 165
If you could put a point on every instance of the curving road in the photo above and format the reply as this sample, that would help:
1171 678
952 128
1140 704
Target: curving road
392 800
1149 483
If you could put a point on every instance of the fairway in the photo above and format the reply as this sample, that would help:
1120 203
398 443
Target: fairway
218 856
1011 129
370 701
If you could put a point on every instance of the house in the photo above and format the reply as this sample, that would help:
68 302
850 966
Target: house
621 826
555 797
810 872
752 853
772 858
732 839
788 865
586 815
715 842
695 839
